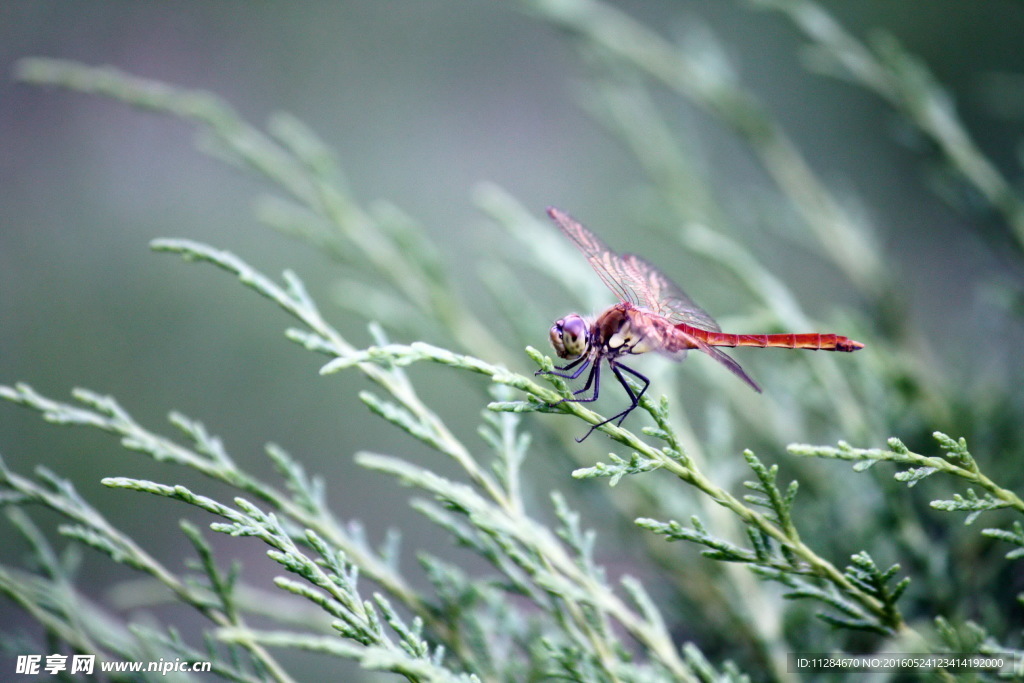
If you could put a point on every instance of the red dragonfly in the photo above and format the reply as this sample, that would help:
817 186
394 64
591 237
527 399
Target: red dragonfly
653 314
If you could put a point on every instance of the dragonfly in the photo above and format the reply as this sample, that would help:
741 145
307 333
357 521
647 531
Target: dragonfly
653 314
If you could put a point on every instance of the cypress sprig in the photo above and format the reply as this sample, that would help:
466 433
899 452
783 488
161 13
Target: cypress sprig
971 503
776 552
781 505
619 467
1014 536
956 460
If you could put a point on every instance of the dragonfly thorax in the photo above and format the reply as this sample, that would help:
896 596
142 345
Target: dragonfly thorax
570 336
620 331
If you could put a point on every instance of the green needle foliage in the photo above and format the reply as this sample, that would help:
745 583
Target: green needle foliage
956 461
777 572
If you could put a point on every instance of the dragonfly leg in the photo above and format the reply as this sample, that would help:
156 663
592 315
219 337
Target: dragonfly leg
634 398
585 360
594 378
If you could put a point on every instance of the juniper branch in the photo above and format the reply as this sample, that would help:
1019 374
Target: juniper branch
546 561
329 581
957 462
95 530
904 82
319 208
209 459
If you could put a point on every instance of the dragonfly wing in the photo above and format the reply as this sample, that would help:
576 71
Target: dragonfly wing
665 297
634 279
728 362
608 265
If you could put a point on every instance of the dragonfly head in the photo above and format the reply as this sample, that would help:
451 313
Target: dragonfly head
570 336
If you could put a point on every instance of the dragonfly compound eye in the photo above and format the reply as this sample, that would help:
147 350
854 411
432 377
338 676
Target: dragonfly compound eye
569 336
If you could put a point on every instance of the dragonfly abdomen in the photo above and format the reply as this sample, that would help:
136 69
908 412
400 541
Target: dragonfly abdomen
813 340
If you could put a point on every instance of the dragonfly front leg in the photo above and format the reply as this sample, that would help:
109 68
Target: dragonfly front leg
594 378
585 360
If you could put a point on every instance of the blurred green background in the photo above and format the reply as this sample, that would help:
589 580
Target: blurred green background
423 101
